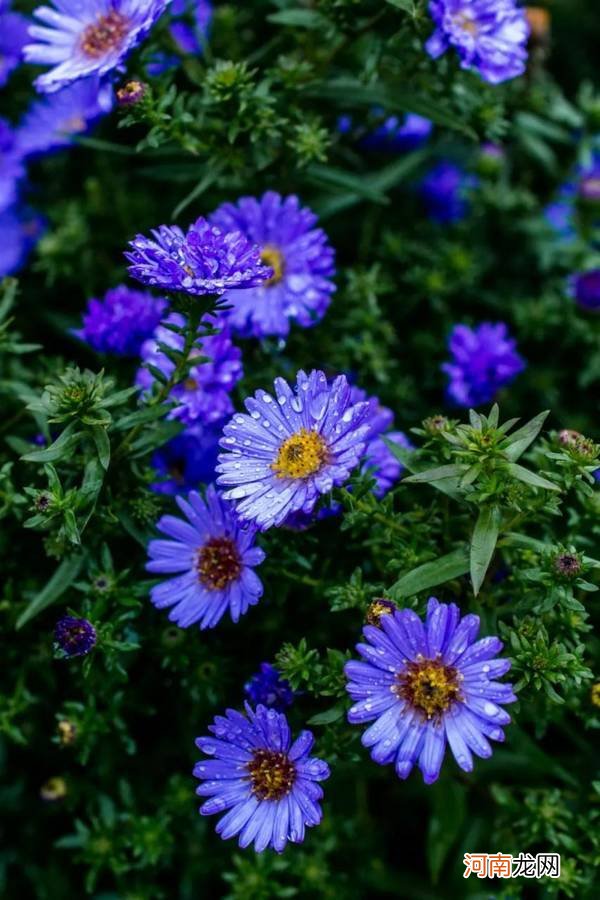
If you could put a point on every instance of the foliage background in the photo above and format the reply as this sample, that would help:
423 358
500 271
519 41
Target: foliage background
259 111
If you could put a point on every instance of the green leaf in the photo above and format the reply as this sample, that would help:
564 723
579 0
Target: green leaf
520 440
102 443
531 478
355 184
483 544
62 447
64 576
408 458
447 817
299 18
430 574
330 715
407 5
450 471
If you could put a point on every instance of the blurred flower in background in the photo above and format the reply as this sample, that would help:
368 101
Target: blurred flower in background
484 359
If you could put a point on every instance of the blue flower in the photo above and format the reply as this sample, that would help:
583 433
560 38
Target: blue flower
13 37
484 359
292 448
581 192
444 190
204 260
54 121
213 559
398 135
266 785
121 321
424 686
489 36
75 637
585 288
20 231
381 463
190 38
11 166
79 38
301 259
186 461
203 396
269 688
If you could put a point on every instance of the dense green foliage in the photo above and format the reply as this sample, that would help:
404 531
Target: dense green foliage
116 727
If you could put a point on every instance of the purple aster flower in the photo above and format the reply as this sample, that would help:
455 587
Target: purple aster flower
267 784
190 38
444 190
268 688
121 321
20 231
292 448
186 461
203 397
484 359
585 288
581 191
300 257
11 166
489 36
54 121
425 685
79 38
13 37
204 260
398 134
75 637
213 559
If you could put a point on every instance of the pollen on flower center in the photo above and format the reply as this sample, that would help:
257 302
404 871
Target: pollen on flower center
273 257
467 24
218 563
272 774
429 686
105 34
301 455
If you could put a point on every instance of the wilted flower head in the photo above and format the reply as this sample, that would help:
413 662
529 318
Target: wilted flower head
212 558
266 785
203 397
13 37
121 321
585 288
444 191
300 257
79 38
53 789
131 93
490 36
75 637
484 359
67 732
269 688
204 260
53 122
567 565
379 607
424 686
291 448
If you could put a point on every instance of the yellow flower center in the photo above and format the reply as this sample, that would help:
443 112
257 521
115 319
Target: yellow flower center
105 34
301 455
218 563
467 24
429 686
272 774
271 256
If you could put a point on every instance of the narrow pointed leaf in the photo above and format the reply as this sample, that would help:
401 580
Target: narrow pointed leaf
483 543
520 440
528 477
64 576
430 574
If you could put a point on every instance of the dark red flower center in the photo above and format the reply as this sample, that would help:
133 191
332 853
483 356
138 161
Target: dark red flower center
429 686
219 563
272 774
106 33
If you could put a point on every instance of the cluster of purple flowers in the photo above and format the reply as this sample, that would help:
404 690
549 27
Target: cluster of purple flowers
393 134
121 321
